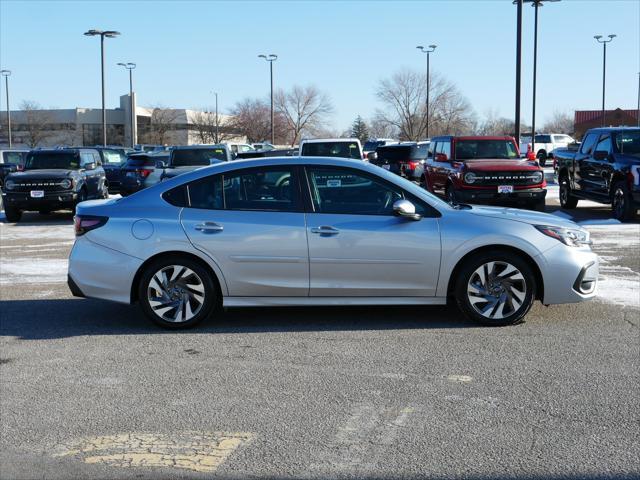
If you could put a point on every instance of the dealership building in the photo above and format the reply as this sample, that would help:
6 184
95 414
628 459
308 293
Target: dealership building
83 126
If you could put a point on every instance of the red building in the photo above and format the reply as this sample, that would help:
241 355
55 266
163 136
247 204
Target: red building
586 119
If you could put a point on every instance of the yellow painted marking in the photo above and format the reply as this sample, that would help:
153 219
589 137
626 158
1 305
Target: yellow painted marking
197 451
459 378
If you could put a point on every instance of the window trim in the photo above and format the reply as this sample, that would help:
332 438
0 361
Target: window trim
432 211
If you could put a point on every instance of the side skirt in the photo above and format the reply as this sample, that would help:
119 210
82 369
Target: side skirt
328 301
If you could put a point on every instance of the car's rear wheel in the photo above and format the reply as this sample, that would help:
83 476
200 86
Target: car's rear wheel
177 292
542 158
496 288
450 194
13 214
567 200
621 202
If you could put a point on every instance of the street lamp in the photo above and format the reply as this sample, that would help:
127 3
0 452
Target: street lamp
131 66
428 51
536 4
271 58
102 34
6 74
604 67
518 68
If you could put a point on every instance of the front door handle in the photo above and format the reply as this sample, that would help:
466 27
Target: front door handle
209 227
325 230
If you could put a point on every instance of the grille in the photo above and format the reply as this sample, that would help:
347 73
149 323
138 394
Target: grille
45 185
507 178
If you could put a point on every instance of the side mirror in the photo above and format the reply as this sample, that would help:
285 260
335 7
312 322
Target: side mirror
161 164
89 166
441 157
600 155
406 209
372 156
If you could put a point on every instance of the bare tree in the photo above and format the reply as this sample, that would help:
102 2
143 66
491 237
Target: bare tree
162 122
36 124
493 124
379 127
560 122
404 96
251 118
304 109
211 129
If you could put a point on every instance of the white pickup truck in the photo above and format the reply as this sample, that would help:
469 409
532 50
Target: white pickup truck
544 146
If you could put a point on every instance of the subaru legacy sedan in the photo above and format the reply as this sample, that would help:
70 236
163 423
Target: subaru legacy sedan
312 231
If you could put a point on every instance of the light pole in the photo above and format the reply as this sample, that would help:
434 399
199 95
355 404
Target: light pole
131 66
638 99
428 51
604 68
6 74
217 124
102 34
518 68
271 58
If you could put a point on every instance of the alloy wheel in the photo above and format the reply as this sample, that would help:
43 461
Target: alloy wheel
176 293
618 203
496 290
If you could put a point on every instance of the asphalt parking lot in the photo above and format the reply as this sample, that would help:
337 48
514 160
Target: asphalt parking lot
91 389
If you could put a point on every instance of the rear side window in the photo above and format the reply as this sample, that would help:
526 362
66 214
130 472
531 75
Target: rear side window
177 196
543 138
331 149
588 143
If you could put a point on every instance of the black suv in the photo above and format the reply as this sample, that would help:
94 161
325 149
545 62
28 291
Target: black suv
54 180
404 159
113 158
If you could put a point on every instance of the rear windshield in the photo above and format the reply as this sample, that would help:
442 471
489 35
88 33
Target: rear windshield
628 142
371 146
332 149
485 149
197 156
55 160
143 161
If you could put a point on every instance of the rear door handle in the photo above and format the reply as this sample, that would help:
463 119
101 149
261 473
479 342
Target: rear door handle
209 227
325 230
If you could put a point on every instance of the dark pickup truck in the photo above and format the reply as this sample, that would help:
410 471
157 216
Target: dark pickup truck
54 180
606 169
480 169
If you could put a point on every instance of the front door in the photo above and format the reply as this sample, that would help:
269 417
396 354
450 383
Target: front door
358 247
252 224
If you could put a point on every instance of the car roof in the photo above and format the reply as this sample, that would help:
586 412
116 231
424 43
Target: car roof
323 140
473 137
199 147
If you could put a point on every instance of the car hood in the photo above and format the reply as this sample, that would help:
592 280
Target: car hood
45 174
524 216
490 165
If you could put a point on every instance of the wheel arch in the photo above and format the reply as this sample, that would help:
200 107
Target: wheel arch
506 248
133 295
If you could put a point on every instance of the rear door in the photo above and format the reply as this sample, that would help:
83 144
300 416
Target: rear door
252 224
358 247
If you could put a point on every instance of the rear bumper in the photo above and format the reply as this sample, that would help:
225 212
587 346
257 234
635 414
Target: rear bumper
492 196
96 271
50 201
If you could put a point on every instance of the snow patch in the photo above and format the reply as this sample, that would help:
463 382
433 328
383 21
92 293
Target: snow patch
32 270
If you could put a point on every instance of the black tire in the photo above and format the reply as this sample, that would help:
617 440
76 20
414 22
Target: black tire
450 194
567 200
82 196
13 214
515 295
538 206
542 158
622 202
200 308
105 191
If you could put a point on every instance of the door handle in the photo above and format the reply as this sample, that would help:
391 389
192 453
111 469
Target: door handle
325 230
209 227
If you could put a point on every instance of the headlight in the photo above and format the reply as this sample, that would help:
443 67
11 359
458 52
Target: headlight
469 177
66 184
569 236
9 184
537 177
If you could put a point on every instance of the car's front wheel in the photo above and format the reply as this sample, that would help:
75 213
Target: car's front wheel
496 288
567 200
13 214
621 202
177 292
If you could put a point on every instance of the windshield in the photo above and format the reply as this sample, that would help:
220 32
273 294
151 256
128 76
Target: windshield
629 142
196 156
55 160
485 149
332 149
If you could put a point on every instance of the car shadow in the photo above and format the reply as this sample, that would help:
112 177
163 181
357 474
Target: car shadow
35 219
61 318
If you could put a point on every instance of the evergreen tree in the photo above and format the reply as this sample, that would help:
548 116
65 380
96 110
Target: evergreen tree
360 130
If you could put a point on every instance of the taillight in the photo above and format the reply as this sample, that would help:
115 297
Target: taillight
20 168
413 165
143 172
85 223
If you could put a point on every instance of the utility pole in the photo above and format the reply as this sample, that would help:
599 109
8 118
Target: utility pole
6 74
604 69
428 52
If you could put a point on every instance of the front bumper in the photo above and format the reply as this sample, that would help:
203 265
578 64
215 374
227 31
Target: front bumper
96 271
468 195
569 274
50 201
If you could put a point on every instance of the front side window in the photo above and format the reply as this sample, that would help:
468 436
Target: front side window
343 191
264 189
604 145
588 143
55 160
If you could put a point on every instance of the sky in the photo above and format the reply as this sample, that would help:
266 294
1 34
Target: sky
185 50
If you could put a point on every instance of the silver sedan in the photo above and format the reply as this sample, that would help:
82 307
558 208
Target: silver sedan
315 231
